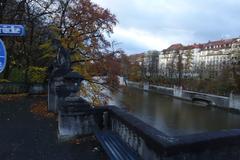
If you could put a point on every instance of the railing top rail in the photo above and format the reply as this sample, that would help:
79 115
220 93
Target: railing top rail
161 142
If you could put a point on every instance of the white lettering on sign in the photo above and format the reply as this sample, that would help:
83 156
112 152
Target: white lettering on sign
10 30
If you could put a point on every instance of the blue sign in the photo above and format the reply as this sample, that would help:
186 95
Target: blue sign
3 56
11 30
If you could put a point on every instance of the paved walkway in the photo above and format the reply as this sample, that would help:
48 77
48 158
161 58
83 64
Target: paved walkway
25 136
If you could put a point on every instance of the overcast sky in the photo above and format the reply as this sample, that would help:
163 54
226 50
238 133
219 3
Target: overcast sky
156 24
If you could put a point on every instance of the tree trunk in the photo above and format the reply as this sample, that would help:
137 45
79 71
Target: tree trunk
29 52
2 7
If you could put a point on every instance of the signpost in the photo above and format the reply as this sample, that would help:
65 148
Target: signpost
11 30
3 56
8 30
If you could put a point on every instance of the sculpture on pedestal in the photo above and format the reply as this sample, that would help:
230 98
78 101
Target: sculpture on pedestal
74 113
59 72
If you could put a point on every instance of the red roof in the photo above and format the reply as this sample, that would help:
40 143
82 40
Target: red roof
177 46
210 45
193 46
221 43
181 47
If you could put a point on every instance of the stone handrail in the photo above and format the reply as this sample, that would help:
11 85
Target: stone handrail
153 144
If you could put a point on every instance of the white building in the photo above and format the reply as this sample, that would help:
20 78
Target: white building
198 59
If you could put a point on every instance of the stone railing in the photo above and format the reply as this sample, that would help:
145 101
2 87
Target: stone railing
147 141
75 124
152 144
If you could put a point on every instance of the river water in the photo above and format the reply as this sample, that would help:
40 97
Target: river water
174 117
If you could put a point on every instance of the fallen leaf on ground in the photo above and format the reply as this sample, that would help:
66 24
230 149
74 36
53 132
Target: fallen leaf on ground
40 108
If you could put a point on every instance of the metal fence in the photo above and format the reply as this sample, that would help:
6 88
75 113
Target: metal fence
17 88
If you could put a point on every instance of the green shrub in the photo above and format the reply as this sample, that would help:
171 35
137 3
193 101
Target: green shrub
4 80
16 75
37 74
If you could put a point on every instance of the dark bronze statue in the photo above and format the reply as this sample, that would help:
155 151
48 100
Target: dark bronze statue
62 64
63 82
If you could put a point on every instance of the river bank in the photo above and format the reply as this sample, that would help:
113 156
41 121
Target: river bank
173 116
231 103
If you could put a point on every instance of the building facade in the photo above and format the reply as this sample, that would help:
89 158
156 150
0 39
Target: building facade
198 60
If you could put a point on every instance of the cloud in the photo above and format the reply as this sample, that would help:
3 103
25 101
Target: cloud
155 24
140 37
148 40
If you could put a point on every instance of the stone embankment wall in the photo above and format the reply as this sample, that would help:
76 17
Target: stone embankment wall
234 101
231 102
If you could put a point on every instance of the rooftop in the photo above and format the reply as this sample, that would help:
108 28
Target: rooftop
223 43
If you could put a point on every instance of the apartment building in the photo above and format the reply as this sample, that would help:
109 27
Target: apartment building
207 59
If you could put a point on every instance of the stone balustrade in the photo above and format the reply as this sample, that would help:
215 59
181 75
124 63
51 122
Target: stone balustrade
152 144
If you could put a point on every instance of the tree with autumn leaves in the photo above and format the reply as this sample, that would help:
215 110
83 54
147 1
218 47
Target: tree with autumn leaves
82 28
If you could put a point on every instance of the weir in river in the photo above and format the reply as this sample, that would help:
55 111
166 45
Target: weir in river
173 116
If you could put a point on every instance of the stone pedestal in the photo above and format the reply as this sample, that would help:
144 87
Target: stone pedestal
53 98
75 118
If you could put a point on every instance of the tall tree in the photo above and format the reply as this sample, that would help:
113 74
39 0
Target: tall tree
81 26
